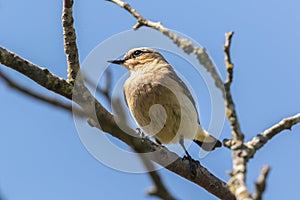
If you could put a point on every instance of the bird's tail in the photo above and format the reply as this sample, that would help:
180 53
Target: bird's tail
206 141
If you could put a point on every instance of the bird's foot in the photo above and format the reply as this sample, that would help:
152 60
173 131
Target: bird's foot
141 134
192 165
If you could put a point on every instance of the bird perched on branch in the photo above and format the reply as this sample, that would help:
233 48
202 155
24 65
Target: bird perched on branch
160 102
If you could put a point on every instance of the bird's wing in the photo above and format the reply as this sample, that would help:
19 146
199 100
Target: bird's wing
185 89
125 98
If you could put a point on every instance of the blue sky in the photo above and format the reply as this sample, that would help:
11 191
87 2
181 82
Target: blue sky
41 154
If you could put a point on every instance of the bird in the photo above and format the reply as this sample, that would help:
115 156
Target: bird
160 102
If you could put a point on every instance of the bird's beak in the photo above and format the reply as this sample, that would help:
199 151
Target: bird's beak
118 62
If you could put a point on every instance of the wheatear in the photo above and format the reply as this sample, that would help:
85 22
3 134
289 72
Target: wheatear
160 102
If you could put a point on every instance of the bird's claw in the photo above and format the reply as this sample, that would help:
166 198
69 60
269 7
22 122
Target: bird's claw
192 165
141 133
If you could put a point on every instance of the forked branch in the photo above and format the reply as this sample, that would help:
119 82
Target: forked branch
107 123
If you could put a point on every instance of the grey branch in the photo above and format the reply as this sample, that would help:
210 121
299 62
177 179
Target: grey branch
70 40
261 139
73 73
185 44
46 99
232 117
37 96
242 152
40 75
160 190
237 182
260 185
108 124
102 90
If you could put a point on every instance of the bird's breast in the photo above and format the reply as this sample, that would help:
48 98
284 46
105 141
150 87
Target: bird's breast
158 104
143 91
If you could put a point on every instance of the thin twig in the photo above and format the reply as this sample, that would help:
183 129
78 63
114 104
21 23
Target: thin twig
242 152
45 99
160 189
232 117
105 91
40 75
261 139
84 98
70 40
37 96
260 185
237 182
228 63
184 43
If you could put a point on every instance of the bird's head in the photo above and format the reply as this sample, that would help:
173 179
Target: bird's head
137 58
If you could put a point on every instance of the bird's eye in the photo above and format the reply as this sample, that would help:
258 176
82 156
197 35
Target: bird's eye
137 53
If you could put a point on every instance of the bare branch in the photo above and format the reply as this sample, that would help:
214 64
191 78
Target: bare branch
70 40
160 190
229 104
40 75
242 152
261 139
49 100
37 96
102 90
237 182
185 44
228 63
108 124
260 185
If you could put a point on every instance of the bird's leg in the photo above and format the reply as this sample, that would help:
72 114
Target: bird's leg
181 142
189 157
158 142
